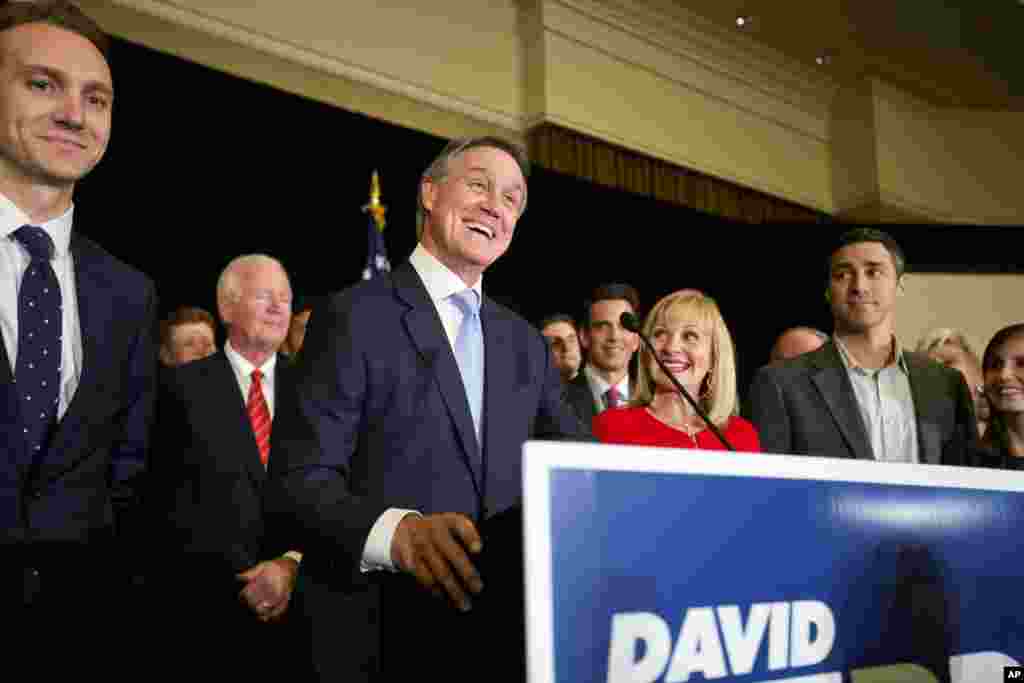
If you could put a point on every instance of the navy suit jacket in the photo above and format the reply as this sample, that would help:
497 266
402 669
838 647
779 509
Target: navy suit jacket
206 486
379 420
807 406
206 478
69 507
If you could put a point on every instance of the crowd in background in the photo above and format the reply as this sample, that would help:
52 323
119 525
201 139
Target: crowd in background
318 485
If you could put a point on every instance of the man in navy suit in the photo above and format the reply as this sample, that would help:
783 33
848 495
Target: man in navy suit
78 358
210 452
386 459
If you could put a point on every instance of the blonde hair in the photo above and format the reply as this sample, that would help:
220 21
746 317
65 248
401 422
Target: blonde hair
720 402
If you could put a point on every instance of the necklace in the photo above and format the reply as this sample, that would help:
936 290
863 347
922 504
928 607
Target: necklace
692 431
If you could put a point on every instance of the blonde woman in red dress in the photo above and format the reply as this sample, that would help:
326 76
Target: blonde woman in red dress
692 340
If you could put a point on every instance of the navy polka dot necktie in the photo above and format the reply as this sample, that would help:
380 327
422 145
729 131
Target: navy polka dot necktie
37 373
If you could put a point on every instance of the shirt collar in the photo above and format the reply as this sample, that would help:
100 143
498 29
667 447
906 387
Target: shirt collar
59 228
850 363
244 368
439 280
602 386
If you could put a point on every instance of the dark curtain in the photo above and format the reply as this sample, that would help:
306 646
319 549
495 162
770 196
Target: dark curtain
203 166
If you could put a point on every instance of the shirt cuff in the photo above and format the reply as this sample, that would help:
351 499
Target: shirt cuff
294 555
377 551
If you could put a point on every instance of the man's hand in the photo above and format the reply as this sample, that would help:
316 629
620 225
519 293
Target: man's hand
268 587
434 550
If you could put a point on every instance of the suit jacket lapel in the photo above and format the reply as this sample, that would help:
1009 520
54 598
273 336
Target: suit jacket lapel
499 375
10 411
428 336
834 385
6 374
95 312
225 396
929 442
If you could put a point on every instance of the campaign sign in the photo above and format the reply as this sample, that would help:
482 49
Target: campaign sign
651 565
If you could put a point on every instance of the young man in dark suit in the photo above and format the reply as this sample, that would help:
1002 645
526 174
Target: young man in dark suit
414 396
860 395
603 381
78 358
211 449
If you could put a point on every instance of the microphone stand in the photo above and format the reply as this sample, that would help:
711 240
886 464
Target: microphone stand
630 322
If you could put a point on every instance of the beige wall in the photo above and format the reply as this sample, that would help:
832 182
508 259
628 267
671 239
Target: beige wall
643 74
979 305
951 165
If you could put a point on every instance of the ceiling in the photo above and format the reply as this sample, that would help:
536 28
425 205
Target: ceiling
961 53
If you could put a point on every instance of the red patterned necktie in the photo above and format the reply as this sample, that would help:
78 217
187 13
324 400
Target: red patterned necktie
259 416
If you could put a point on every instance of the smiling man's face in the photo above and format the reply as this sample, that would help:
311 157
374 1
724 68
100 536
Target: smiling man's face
471 214
56 95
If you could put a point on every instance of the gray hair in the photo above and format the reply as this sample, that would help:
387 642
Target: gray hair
946 335
439 167
228 288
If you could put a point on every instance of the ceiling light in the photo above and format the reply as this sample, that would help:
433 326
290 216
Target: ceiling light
824 59
743 21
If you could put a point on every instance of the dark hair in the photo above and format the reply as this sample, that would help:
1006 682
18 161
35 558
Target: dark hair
183 316
59 13
438 169
307 302
996 433
610 291
998 339
858 235
556 318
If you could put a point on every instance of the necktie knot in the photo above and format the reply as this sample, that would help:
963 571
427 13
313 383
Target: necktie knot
36 242
612 398
467 301
257 375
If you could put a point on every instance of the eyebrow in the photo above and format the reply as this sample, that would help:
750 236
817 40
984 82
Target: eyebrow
487 172
57 75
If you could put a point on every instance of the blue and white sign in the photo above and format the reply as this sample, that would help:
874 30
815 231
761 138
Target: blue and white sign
647 565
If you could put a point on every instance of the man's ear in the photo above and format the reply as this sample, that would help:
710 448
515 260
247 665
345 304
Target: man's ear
165 355
584 336
428 192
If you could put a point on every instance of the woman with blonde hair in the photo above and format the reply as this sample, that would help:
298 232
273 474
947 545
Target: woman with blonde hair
692 340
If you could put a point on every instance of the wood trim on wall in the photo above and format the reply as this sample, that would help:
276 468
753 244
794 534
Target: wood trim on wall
571 153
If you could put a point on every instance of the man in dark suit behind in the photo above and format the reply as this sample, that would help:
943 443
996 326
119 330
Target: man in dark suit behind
78 358
390 454
604 382
860 395
211 448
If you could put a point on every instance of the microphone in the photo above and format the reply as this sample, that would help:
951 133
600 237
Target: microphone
630 322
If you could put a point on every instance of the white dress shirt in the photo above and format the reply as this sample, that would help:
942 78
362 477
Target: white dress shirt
14 260
886 405
243 373
599 387
441 283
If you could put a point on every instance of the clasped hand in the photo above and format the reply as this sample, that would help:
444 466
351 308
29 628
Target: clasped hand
268 587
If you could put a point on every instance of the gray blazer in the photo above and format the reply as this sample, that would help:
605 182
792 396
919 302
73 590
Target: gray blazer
806 406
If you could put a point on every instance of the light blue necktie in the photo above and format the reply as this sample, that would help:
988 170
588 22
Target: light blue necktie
469 354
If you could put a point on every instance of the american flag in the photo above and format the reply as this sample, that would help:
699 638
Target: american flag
376 251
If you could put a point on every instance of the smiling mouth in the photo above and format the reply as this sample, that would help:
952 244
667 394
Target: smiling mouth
481 230
64 142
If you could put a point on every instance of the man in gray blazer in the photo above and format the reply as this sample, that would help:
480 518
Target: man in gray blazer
860 395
